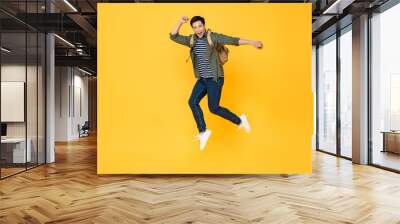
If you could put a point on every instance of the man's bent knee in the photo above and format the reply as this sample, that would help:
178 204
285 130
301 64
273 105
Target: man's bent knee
214 109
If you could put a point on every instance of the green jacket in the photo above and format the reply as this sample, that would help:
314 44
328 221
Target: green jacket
217 38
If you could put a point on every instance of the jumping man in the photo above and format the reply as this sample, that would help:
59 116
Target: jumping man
209 73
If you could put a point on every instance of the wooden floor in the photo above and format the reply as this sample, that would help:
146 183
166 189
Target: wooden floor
69 191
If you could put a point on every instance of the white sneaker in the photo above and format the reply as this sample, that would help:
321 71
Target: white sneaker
244 123
203 137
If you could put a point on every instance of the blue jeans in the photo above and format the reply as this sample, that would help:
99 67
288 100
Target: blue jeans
213 90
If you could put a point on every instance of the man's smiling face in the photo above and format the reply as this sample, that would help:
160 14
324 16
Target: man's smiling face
199 28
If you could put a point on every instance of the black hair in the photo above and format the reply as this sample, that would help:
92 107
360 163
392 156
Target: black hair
197 18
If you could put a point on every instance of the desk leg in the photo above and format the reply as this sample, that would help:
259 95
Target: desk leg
384 142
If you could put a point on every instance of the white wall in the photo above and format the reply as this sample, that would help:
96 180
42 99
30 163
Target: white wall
62 78
81 84
71 93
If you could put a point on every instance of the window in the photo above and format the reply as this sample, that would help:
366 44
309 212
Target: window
346 92
327 95
385 88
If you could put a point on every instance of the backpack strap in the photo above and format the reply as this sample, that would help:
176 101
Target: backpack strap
191 45
210 42
191 40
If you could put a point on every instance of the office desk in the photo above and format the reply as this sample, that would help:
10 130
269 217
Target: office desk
13 150
391 141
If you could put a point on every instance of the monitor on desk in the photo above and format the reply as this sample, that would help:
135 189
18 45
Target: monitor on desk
3 130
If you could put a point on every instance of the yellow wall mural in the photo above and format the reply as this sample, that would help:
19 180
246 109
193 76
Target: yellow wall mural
145 124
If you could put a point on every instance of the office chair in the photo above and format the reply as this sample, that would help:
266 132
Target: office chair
84 130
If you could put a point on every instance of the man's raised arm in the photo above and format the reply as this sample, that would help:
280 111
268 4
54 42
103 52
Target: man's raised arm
175 36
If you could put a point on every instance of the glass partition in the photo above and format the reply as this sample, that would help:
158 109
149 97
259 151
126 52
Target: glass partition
22 78
14 153
41 87
32 95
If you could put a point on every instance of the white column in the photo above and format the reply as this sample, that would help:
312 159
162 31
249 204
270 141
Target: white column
50 91
360 90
